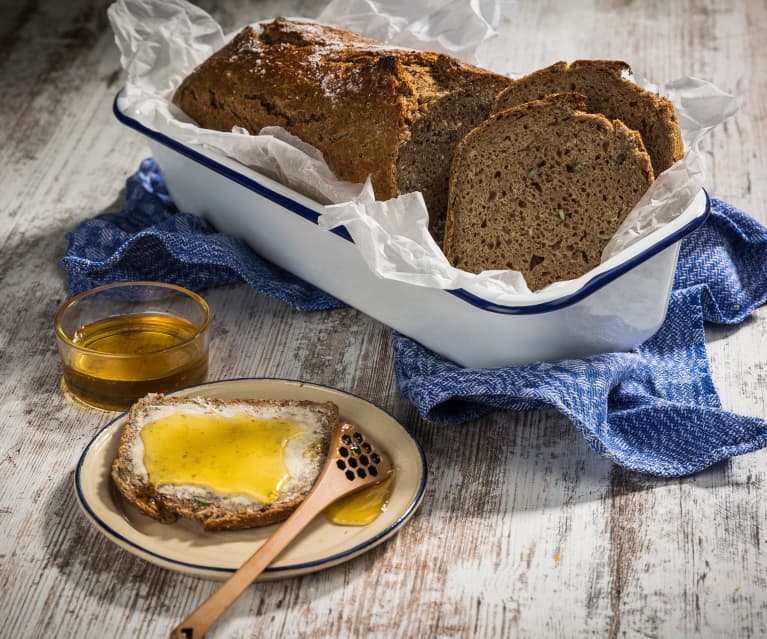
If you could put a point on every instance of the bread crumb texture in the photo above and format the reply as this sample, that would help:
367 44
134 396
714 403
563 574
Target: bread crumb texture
608 91
541 188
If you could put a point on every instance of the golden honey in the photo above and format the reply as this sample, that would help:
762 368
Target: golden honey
362 507
233 455
119 359
241 455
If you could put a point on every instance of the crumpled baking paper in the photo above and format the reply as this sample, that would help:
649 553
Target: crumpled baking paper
455 27
162 41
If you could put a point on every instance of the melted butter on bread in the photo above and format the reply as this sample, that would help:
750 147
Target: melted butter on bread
237 454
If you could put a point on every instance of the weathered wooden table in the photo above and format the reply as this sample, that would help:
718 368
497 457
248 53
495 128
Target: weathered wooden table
524 531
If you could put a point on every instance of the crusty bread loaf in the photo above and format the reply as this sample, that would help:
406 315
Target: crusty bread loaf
607 92
540 188
389 113
304 455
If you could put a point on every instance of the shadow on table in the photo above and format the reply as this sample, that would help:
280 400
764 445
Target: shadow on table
110 576
527 461
718 332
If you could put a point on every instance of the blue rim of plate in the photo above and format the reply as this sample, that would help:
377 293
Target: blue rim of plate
331 559
591 286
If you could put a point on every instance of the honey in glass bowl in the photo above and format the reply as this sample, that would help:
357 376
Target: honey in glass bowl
121 341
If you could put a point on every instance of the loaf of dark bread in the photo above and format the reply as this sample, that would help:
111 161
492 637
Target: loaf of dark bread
541 188
372 110
607 92
304 454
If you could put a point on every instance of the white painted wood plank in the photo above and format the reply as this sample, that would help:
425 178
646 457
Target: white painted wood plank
523 532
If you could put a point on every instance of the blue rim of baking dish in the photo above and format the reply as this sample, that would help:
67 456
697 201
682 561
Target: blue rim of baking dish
594 284
307 565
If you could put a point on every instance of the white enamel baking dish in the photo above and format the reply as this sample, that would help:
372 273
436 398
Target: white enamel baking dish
619 305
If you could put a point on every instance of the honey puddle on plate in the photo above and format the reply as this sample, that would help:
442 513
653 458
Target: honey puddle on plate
240 455
362 507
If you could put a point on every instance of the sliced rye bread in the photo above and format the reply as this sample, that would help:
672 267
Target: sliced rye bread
607 92
305 455
373 110
541 188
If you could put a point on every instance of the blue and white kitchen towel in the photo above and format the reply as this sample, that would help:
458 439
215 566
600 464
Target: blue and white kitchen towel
654 410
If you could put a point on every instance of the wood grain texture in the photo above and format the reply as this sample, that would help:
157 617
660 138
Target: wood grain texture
524 531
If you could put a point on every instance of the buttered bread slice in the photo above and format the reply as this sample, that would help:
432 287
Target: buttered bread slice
541 188
228 464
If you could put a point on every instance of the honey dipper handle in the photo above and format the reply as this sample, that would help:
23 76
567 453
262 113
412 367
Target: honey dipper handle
206 614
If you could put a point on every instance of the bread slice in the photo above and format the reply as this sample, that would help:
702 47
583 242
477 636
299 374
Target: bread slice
393 114
541 188
304 455
607 92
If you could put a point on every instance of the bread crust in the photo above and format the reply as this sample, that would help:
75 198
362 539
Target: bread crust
215 512
355 99
610 93
527 189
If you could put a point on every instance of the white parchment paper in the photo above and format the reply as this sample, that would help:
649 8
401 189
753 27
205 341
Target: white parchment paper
161 41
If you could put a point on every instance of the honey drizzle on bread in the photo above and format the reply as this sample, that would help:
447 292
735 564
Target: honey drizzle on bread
219 511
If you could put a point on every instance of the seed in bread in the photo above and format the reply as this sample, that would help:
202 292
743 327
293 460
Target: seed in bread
607 92
392 114
228 464
541 188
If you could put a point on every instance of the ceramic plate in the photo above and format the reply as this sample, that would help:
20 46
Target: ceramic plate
185 547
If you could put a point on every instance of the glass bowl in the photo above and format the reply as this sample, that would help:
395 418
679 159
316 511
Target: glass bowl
121 341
